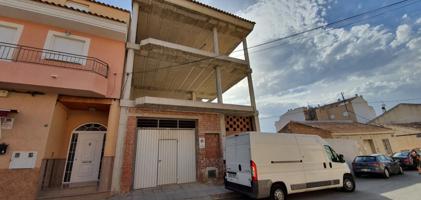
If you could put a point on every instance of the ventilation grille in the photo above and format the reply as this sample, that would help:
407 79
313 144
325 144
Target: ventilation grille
237 124
165 123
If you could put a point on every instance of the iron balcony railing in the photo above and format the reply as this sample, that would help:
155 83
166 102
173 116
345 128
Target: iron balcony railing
19 53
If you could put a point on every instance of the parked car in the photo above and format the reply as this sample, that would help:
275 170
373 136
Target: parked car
376 164
263 165
405 159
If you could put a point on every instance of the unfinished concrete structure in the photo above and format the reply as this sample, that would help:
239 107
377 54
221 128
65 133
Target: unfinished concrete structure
177 63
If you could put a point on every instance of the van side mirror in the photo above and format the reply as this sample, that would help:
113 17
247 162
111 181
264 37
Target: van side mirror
341 158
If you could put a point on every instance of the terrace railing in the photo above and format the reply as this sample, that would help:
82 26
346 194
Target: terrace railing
19 53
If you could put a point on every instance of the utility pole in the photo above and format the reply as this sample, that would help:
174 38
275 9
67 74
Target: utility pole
343 100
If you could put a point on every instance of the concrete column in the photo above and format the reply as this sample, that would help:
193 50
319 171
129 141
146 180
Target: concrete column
249 77
127 81
218 84
126 89
215 41
251 88
193 96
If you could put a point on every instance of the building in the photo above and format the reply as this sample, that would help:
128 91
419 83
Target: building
405 120
298 114
400 114
371 138
355 109
61 66
407 136
177 63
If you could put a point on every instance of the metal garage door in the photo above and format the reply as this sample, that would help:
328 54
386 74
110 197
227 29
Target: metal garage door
164 156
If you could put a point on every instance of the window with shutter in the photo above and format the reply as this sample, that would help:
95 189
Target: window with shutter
66 48
9 34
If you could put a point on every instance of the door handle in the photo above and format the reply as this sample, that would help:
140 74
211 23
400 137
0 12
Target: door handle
324 165
330 164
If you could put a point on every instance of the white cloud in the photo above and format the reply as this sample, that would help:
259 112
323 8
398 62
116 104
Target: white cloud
314 69
403 34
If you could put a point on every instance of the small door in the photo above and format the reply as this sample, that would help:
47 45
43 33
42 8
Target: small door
87 157
167 162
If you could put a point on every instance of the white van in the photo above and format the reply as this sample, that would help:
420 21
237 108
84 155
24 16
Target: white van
273 165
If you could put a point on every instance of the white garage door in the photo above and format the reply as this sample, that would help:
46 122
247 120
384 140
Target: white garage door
165 156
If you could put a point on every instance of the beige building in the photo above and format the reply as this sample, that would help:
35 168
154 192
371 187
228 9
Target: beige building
371 139
354 109
405 120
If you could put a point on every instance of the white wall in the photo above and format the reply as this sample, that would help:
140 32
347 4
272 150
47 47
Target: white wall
292 115
363 111
347 147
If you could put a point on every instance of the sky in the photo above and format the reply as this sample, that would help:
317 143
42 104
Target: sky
376 57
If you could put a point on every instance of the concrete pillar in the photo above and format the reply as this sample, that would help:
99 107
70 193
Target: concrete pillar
126 89
251 88
218 84
215 41
249 77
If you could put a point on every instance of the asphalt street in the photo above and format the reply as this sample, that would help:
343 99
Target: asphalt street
398 187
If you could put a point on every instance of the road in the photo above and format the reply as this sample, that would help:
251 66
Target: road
398 187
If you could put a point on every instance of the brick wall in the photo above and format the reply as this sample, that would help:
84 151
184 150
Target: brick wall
207 124
128 159
19 184
293 127
213 154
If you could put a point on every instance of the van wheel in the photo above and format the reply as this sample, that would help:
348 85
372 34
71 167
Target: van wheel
348 184
277 193
386 173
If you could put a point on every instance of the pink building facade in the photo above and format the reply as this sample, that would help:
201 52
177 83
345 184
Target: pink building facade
61 69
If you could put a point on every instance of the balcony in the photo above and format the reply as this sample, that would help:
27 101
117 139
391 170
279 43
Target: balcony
42 70
19 53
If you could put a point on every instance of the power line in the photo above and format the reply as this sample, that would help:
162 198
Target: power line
295 34
331 24
342 26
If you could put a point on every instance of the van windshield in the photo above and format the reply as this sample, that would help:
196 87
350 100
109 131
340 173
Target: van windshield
365 159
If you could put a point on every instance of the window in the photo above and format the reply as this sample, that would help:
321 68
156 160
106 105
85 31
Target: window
9 34
66 48
78 6
333 156
387 146
360 159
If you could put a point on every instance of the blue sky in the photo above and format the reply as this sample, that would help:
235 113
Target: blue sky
126 4
379 58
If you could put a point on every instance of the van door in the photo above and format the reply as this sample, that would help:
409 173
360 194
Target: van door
238 160
315 164
336 166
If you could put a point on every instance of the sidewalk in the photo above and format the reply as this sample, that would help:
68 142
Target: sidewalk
191 191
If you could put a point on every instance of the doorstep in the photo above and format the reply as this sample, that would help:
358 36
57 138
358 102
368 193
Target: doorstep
73 193
191 191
